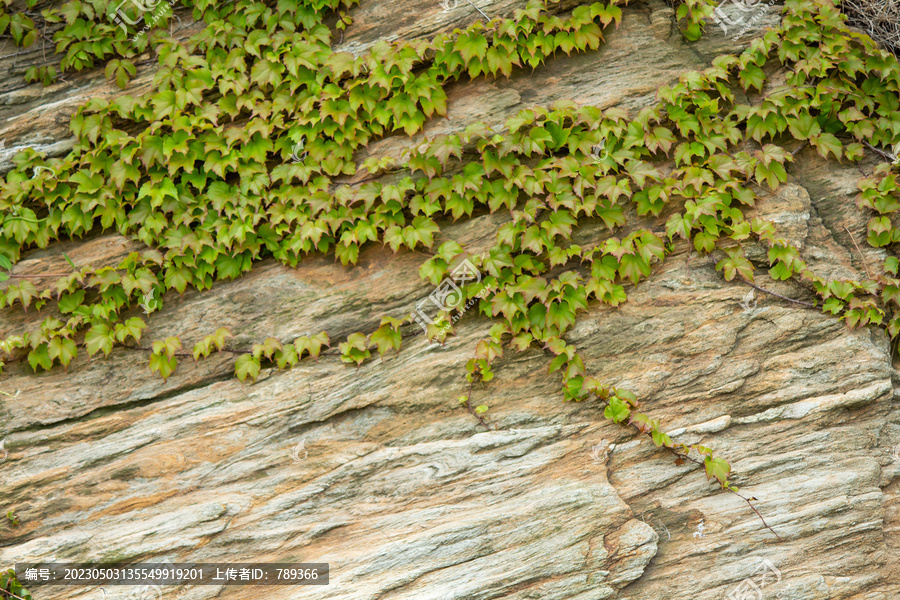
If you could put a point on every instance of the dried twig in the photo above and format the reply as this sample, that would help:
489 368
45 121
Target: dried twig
801 147
886 155
879 18
479 10
64 80
777 295
861 256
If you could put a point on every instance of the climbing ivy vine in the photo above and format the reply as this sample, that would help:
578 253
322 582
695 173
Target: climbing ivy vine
201 171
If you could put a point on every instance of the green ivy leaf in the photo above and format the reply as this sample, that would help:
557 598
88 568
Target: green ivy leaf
170 346
387 337
354 350
164 365
132 328
62 349
70 301
40 357
718 468
617 410
246 366
660 438
99 337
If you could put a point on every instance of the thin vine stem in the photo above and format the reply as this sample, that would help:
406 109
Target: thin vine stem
11 594
741 496
682 455
468 406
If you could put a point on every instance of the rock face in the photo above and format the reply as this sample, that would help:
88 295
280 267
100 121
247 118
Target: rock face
376 470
